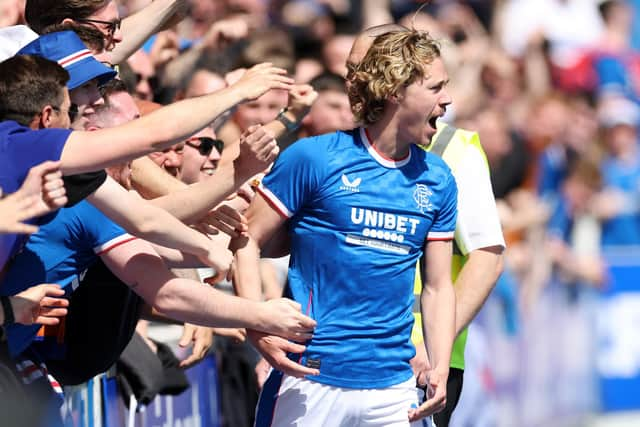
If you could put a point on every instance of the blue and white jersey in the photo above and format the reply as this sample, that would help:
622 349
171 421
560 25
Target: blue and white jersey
66 244
358 223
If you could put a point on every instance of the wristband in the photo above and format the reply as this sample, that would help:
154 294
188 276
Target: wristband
9 317
289 124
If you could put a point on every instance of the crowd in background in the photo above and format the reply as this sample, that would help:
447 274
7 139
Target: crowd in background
551 86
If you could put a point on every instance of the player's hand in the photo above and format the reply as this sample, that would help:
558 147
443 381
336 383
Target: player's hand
258 149
201 337
420 365
436 396
274 349
259 79
39 304
283 317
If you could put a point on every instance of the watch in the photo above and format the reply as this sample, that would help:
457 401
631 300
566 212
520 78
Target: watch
288 123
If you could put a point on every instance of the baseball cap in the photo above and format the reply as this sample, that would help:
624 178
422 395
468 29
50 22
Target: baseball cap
66 48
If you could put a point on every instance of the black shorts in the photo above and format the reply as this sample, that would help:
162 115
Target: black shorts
454 389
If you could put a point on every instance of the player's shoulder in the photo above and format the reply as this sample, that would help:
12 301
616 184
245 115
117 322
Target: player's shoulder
435 163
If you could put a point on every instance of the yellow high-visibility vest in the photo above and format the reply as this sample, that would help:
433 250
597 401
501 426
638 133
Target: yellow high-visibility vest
451 144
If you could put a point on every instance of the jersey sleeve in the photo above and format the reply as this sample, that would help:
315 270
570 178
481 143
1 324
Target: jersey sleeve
82 185
445 221
295 177
30 148
103 233
478 225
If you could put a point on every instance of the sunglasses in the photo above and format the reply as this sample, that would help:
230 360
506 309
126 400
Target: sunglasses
206 144
111 26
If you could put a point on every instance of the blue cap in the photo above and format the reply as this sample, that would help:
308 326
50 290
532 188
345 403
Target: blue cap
66 48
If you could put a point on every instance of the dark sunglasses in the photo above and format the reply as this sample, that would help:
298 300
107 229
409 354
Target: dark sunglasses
111 26
206 144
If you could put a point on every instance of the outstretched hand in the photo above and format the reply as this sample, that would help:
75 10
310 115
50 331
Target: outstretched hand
261 78
39 304
283 317
258 149
202 339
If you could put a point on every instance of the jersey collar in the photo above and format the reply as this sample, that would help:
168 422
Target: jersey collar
378 156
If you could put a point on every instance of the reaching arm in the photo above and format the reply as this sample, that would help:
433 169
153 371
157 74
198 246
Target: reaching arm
256 150
168 125
137 264
137 28
475 282
144 220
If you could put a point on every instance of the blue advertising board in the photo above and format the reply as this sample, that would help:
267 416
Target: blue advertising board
618 354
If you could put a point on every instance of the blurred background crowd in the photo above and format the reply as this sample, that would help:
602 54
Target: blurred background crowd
553 89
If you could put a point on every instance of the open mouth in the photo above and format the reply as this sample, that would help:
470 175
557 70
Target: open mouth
207 171
432 121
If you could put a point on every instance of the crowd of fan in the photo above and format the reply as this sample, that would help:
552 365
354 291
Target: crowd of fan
551 87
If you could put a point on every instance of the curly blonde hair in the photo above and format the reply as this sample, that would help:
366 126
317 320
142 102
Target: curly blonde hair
395 59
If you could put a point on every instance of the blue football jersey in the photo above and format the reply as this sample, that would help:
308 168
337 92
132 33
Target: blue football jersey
66 244
358 223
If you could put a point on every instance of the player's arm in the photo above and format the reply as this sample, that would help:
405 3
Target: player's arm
137 28
264 221
137 264
437 302
144 220
165 126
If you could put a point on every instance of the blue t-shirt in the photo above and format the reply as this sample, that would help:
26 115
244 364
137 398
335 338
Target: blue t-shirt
358 224
68 242
20 149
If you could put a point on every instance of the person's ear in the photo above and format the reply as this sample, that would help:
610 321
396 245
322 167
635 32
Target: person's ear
46 116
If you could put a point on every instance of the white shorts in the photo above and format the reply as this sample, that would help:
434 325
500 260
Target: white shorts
289 401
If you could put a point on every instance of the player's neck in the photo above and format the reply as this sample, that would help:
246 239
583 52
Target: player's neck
387 139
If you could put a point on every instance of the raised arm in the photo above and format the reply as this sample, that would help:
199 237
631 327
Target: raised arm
137 28
166 126
253 154
137 264
144 220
